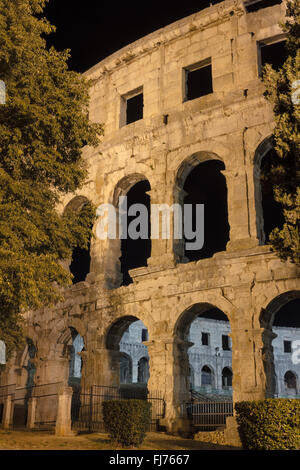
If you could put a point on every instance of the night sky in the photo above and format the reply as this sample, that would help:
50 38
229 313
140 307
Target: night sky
93 29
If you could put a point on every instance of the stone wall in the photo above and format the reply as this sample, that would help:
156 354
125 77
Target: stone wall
246 281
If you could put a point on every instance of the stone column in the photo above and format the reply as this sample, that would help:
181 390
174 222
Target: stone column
101 367
241 237
63 418
161 248
8 411
249 380
169 375
31 412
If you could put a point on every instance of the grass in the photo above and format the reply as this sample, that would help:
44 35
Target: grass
34 440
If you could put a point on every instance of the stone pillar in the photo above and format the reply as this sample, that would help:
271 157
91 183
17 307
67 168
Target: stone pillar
249 382
169 375
63 418
8 412
101 367
134 371
161 248
31 412
241 237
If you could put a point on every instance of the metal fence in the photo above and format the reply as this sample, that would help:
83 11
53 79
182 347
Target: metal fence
208 415
86 408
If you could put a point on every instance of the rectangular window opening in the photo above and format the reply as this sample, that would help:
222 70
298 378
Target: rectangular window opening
132 107
198 80
205 339
273 53
144 335
255 5
225 343
287 346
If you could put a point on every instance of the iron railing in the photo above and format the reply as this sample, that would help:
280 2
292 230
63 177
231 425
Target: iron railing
86 409
208 415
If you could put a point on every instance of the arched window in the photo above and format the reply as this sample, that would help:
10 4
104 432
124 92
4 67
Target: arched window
290 380
136 251
226 377
206 376
81 258
200 181
269 213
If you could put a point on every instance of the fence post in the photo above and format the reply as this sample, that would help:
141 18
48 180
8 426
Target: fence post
31 411
63 418
7 411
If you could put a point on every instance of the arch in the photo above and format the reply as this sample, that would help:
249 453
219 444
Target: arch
80 262
194 353
207 376
192 312
75 204
124 336
116 331
187 165
227 377
268 212
199 180
124 185
268 313
281 323
291 381
125 253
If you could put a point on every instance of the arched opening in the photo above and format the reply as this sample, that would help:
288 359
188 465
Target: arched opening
269 213
207 377
81 258
226 378
200 181
281 321
76 346
130 358
290 382
206 350
136 247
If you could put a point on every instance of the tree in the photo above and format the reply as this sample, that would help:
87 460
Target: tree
44 126
283 172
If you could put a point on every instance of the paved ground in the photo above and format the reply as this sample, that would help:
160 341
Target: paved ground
23 440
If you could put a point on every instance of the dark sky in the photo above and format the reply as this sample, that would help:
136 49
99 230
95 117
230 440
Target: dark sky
95 29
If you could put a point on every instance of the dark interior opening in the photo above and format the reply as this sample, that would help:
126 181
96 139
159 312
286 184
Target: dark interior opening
80 264
256 5
288 315
272 210
206 185
274 54
199 82
134 108
214 314
134 253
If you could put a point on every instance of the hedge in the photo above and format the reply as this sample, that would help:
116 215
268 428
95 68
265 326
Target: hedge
270 424
127 421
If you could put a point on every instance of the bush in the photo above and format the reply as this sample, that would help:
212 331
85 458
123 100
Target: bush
271 424
127 421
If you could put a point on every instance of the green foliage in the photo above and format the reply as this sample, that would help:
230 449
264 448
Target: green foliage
271 424
284 174
44 126
127 421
